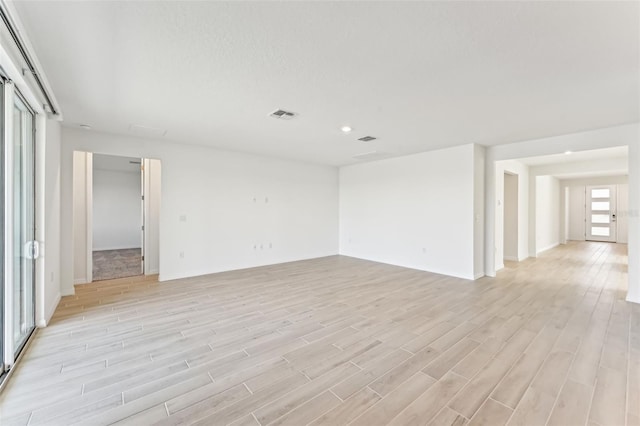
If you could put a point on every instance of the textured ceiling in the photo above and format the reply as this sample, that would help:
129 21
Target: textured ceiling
417 75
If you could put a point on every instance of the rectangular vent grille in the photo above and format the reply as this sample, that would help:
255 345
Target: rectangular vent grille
367 139
282 114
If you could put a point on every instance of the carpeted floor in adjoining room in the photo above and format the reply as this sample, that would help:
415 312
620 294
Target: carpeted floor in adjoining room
111 264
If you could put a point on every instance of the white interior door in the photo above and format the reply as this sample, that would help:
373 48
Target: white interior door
601 213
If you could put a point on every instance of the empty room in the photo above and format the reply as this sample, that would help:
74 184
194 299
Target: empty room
320 213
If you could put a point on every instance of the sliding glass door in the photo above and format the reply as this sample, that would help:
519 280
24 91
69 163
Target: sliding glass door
18 248
24 245
2 221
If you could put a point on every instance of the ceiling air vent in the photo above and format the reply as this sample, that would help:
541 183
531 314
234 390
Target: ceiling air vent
282 114
367 139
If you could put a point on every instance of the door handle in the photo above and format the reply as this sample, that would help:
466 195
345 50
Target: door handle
31 250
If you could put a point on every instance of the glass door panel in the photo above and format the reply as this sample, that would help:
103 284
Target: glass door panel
24 247
2 245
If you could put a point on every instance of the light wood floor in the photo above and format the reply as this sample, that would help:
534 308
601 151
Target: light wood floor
343 341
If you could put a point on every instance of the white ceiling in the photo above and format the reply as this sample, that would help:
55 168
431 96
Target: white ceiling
599 163
579 156
417 75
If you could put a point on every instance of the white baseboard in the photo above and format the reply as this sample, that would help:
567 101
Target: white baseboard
50 310
152 272
80 281
511 258
67 292
547 248
478 275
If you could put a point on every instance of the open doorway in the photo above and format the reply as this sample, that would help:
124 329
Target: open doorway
510 217
551 209
116 211
118 217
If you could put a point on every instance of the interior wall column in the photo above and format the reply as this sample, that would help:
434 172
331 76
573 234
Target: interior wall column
490 214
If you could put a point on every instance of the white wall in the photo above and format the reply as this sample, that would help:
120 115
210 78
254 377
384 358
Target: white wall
511 217
622 234
152 202
117 209
596 180
479 153
415 211
208 213
576 213
49 297
547 213
633 294
81 175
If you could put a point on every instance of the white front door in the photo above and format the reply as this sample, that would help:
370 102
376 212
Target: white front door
601 213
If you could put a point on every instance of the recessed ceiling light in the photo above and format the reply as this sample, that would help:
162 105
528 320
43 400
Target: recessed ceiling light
567 152
85 127
346 129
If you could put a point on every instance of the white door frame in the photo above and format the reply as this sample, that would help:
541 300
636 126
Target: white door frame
143 213
89 213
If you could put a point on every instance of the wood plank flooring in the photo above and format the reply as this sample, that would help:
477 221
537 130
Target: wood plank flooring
338 341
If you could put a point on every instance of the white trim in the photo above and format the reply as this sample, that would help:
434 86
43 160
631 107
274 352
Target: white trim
43 322
88 187
152 272
65 292
478 275
631 299
511 258
146 204
8 356
552 246
80 281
